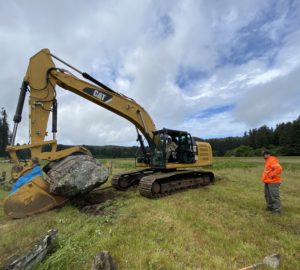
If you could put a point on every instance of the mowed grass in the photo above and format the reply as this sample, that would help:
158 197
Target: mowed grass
222 226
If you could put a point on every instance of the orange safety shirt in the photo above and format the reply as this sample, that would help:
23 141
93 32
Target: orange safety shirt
272 170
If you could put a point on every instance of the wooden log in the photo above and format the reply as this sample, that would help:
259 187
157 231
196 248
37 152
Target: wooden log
35 255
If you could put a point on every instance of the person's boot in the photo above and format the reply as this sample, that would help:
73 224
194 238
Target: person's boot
276 211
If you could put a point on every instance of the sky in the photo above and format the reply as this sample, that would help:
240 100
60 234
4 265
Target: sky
213 68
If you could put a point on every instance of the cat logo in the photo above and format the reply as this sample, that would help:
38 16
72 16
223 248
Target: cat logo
98 94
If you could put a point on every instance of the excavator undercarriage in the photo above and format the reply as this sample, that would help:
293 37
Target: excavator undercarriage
156 184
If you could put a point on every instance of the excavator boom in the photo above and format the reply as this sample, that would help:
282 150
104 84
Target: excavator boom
42 76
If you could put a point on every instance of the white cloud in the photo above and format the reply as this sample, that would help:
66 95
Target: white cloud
140 48
276 99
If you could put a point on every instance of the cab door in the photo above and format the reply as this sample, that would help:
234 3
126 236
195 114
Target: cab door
185 149
158 158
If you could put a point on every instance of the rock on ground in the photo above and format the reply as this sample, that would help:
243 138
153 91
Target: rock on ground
103 261
76 175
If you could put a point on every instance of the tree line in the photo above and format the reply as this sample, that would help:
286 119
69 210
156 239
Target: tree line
4 132
282 140
108 151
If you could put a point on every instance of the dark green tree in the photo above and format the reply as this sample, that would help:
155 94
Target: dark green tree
264 137
4 132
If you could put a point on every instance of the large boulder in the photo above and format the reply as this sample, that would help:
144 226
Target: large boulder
76 175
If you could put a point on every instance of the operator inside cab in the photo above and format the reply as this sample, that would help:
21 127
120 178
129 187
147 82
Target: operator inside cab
171 147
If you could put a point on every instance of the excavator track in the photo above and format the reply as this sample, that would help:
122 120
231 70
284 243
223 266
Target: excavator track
126 180
162 184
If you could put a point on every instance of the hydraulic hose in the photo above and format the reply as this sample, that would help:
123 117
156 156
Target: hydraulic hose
19 110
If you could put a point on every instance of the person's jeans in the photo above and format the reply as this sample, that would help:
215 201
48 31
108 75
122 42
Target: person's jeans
272 196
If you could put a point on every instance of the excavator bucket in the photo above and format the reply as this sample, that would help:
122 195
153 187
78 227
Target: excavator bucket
32 198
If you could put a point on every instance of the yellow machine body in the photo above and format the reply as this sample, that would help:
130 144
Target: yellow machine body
32 198
41 78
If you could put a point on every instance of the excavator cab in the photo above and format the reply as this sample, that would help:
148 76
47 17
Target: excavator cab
172 146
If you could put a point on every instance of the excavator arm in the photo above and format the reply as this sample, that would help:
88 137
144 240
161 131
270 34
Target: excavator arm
40 81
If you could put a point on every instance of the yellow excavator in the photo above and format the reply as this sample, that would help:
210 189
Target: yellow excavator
163 169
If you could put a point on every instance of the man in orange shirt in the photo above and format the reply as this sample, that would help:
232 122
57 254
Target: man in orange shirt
272 179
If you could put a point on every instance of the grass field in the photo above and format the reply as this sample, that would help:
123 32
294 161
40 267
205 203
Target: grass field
222 226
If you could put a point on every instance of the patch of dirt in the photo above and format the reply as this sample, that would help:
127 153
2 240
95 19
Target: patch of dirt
94 209
98 202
